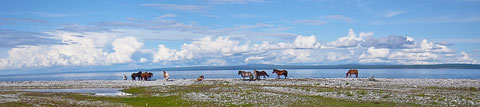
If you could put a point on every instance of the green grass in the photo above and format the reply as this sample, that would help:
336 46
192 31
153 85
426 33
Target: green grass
325 90
144 96
15 104
362 92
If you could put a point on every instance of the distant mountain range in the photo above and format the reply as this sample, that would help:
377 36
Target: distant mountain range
347 66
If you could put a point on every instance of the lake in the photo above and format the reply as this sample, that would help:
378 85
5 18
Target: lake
292 73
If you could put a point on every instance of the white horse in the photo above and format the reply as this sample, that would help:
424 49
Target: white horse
166 76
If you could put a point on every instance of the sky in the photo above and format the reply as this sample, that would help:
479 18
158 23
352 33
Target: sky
127 34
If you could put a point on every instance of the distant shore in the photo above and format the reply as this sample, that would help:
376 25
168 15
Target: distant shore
444 92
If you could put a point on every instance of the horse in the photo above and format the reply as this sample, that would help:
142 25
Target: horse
200 78
260 73
146 76
352 71
137 75
245 74
280 72
166 76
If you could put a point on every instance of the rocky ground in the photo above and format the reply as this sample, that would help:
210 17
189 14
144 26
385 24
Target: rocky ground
272 92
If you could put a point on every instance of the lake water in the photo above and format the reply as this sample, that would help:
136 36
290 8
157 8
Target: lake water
292 73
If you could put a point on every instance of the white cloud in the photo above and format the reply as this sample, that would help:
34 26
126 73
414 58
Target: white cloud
190 8
142 60
351 40
310 22
306 42
167 16
85 50
253 58
123 50
394 13
107 48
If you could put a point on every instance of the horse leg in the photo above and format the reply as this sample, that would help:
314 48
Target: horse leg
356 75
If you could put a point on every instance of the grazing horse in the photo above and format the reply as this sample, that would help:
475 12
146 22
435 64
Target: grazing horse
260 73
146 76
137 75
166 76
352 71
200 78
280 72
245 74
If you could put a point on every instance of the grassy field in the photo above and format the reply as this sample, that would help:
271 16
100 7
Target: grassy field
211 95
236 92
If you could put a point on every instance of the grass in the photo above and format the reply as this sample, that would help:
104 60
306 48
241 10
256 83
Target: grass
325 90
15 104
146 96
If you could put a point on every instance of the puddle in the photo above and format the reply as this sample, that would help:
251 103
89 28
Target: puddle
95 91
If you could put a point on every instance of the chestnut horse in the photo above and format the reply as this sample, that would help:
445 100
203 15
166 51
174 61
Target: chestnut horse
260 73
146 75
200 78
166 76
280 72
352 71
137 75
245 74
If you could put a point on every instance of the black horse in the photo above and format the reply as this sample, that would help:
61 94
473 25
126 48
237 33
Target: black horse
138 74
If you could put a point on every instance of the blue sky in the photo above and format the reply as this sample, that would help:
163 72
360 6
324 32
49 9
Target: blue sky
159 33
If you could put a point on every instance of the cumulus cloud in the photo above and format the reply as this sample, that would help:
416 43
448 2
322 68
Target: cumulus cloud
366 39
86 50
97 48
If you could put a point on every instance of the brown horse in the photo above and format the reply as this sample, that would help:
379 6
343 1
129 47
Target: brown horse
200 78
137 75
166 76
245 74
260 73
146 76
280 72
352 71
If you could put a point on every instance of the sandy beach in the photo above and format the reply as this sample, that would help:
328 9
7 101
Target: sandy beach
419 92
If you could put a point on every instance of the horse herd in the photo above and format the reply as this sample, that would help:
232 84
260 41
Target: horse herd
251 76
141 76
259 74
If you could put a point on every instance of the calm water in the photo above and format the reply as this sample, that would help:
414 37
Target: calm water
292 73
